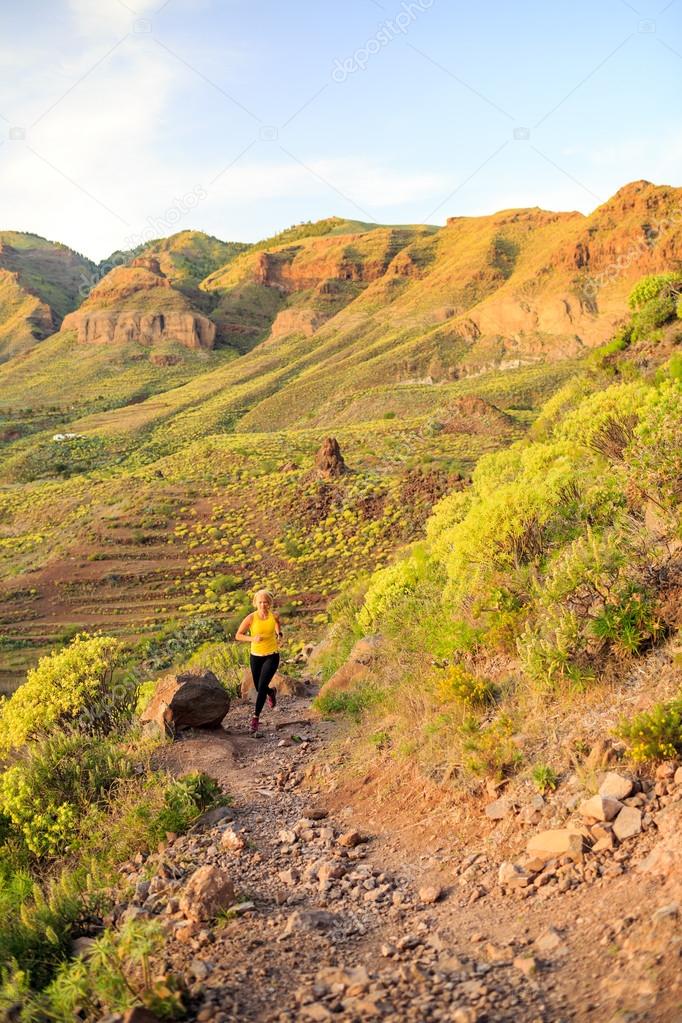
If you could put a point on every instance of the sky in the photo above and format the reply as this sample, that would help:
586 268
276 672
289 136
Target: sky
126 120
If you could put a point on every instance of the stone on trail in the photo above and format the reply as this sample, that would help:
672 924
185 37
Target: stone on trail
189 699
550 940
499 809
600 808
528 965
430 894
547 845
309 920
616 786
350 839
208 890
232 840
511 874
628 823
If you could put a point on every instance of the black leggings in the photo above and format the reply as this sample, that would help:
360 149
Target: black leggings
263 669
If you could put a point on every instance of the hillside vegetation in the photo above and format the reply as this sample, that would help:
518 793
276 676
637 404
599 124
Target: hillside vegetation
538 589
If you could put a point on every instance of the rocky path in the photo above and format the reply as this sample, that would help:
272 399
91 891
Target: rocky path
330 920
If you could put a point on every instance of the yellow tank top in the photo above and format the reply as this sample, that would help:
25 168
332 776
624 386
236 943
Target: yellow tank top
263 636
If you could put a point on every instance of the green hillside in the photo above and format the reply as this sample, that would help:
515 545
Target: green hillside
40 282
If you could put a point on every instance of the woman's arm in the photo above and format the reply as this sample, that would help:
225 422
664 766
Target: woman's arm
241 634
279 626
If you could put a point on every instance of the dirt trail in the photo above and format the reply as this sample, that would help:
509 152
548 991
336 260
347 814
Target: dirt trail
334 930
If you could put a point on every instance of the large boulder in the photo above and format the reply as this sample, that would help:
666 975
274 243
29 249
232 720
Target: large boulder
191 699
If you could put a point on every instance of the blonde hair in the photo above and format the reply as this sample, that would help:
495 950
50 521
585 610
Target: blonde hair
263 593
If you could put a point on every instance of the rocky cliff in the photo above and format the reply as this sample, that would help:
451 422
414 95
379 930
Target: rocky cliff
137 304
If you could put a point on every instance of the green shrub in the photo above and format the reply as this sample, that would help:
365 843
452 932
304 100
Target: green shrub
460 685
70 687
657 312
35 927
544 778
350 703
653 459
185 799
116 975
652 287
175 642
48 792
628 621
489 749
655 734
224 583
225 660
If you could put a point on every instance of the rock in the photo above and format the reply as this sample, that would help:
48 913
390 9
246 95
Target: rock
289 877
628 823
616 786
430 894
467 1014
364 654
528 965
190 699
309 920
315 813
210 818
600 808
287 837
669 820
316 1012
232 840
113 313
513 876
666 771
550 940
329 871
677 780
208 890
329 460
350 839
662 860
367 649
556 842
499 809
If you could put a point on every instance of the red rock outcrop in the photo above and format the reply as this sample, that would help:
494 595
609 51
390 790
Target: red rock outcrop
137 304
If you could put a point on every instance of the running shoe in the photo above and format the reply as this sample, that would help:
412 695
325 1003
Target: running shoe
254 725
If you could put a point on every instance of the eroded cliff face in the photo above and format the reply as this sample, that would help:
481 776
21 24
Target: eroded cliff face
137 304
190 329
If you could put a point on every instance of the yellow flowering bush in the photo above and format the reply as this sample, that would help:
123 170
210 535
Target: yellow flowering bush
72 682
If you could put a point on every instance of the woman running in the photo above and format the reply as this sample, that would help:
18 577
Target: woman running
263 630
